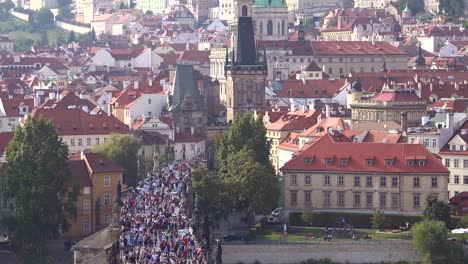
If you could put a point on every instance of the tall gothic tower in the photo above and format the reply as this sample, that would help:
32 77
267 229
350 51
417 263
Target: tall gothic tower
245 74
242 8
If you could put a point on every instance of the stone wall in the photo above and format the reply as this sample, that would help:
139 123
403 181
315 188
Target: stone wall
19 15
343 252
70 27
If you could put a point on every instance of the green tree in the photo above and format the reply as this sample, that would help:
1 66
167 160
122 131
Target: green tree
307 217
71 37
463 223
37 174
92 35
436 210
252 188
61 40
430 239
209 202
122 149
44 18
416 6
22 44
378 219
44 38
452 8
245 132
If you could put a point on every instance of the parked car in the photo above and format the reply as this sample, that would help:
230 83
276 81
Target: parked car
237 236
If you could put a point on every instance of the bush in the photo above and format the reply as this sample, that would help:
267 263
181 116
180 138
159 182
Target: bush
328 219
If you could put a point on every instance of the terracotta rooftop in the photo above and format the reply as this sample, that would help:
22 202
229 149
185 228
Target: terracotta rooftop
461 133
79 174
187 138
310 89
12 105
295 121
5 138
354 48
74 121
328 155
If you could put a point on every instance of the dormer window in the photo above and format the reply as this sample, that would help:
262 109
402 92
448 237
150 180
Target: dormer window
389 162
344 161
369 162
421 162
410 162
328 161
307 160
454 147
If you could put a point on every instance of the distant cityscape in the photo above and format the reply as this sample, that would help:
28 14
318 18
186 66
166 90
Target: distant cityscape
364 106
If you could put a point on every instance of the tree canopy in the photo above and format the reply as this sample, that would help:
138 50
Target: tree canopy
436 210
378 219
245 132
71 36
244 168
123 149
452 8
415 6
37 176
430 239
44 18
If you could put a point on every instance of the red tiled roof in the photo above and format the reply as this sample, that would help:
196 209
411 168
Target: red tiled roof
378 136
184 137
79 174
322 127
66 99
358 153
457 105
31 61
354 48
299 48
295 121
290 142
199 56
12 105
390 96
5 138
309 89
75 121
126 54
100 163
459 198
129 94
313 67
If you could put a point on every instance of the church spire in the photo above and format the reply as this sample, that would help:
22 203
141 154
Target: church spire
300 31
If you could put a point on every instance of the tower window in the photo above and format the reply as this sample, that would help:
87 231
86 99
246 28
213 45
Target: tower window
245 10
269 28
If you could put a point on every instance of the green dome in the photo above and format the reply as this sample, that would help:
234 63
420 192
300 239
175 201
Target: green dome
270 3
407 10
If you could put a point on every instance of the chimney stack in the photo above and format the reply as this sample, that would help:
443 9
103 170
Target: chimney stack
150 82
404 121
136 85
327 110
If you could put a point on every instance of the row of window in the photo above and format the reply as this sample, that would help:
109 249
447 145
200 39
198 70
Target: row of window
357 199
456 179
79 141
456 163
87 226
369 162
368 181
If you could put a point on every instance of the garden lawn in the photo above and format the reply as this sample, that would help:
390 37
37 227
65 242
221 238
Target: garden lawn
298 234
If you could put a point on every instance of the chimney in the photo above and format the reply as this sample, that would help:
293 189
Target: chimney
16 59
51 96
85 108
404 121
109 94
327 110
324 68
431 86
304 108
136 85
82 155
449 123
457 86
37 101
150 82
373 39
339 22
10 96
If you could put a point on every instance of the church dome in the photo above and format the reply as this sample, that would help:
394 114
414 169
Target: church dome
356 87
270 3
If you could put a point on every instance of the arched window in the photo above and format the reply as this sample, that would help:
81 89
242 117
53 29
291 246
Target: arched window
269 28
245 11
283 28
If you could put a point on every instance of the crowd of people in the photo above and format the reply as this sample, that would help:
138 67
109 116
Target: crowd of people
156 229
